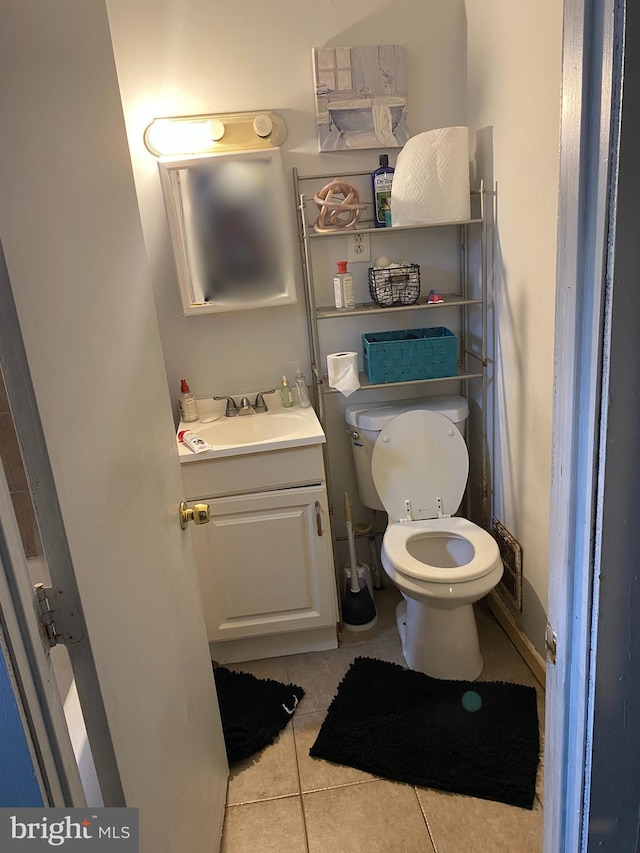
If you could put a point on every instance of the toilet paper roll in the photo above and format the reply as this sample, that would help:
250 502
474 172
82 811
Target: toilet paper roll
431 181
342 368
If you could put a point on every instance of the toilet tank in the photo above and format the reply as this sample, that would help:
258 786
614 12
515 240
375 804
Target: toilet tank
365 422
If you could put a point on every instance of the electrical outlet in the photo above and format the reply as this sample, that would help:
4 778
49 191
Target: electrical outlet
359 248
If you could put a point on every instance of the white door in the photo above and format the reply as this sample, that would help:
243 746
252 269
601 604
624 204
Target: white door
74 248
594 483
265 564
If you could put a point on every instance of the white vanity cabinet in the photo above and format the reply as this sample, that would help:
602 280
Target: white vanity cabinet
265 560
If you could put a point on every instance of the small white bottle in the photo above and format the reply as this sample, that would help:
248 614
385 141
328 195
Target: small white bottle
187 403
287 395
302 391
343 288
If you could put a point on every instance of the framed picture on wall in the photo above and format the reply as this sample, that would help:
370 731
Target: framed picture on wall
361 96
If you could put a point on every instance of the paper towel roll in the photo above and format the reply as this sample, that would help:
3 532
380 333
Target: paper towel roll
431 181
342 368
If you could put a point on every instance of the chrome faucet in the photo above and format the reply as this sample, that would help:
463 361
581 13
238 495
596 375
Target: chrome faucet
260 405
245 407
232 410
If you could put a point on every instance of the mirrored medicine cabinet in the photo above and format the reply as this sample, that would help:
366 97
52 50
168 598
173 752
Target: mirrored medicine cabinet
230 230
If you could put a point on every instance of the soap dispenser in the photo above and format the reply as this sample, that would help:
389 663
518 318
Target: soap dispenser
287 396
302 391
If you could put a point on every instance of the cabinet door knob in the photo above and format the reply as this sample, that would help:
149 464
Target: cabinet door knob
198 513
319 518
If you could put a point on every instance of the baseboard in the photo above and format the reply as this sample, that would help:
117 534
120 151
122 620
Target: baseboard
513 630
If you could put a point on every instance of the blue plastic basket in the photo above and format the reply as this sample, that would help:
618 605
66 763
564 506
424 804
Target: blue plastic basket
409 355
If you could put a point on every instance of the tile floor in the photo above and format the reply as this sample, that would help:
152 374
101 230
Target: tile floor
283 801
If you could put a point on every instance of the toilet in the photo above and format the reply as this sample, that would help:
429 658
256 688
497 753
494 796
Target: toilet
412 461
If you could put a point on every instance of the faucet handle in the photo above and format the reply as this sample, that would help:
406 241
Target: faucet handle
260 405
231 409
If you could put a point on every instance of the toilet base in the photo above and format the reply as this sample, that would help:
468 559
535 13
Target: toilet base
440 643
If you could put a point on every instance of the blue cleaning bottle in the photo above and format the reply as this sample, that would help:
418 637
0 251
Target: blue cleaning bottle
381 180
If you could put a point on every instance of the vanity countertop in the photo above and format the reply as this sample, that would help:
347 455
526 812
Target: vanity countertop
276 429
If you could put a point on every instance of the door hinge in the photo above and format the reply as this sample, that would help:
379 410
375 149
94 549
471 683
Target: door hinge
58 616
550 644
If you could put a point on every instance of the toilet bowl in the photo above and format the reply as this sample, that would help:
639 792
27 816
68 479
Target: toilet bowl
440 563
441 566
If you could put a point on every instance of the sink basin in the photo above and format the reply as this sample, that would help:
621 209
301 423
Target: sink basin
247 429
273 430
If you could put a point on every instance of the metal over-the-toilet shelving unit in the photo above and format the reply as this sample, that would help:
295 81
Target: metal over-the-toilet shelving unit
472 352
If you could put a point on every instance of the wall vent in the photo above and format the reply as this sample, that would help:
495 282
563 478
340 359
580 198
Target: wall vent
511 553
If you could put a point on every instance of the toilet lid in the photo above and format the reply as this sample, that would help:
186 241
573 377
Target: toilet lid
420 457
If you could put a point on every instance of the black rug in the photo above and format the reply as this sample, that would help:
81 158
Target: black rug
469 737
253 710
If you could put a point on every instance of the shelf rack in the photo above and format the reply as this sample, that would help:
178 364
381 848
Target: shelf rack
472 365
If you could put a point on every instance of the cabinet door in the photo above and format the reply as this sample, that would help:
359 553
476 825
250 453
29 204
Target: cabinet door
265 564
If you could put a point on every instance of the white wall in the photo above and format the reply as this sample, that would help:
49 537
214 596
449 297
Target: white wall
186 57
499 70
70 227
514 77
180 57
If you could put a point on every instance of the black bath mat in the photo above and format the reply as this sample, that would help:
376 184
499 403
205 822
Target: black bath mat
253 710
469 737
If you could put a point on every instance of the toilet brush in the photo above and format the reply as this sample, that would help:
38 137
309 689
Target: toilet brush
358 608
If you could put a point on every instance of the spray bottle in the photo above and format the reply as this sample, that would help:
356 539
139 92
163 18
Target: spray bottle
187 403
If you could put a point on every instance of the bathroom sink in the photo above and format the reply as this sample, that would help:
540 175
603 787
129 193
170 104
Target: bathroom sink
247 429
272 430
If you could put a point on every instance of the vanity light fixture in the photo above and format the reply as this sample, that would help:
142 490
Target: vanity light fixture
211 134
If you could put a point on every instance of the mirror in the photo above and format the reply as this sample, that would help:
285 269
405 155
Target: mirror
230 230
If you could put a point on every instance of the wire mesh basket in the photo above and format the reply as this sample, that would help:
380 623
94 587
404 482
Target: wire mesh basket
395 285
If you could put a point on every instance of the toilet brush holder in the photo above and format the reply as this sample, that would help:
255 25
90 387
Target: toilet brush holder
364 577
364 617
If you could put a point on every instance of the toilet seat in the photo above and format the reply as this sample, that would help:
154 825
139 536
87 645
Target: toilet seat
420 466
486 555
